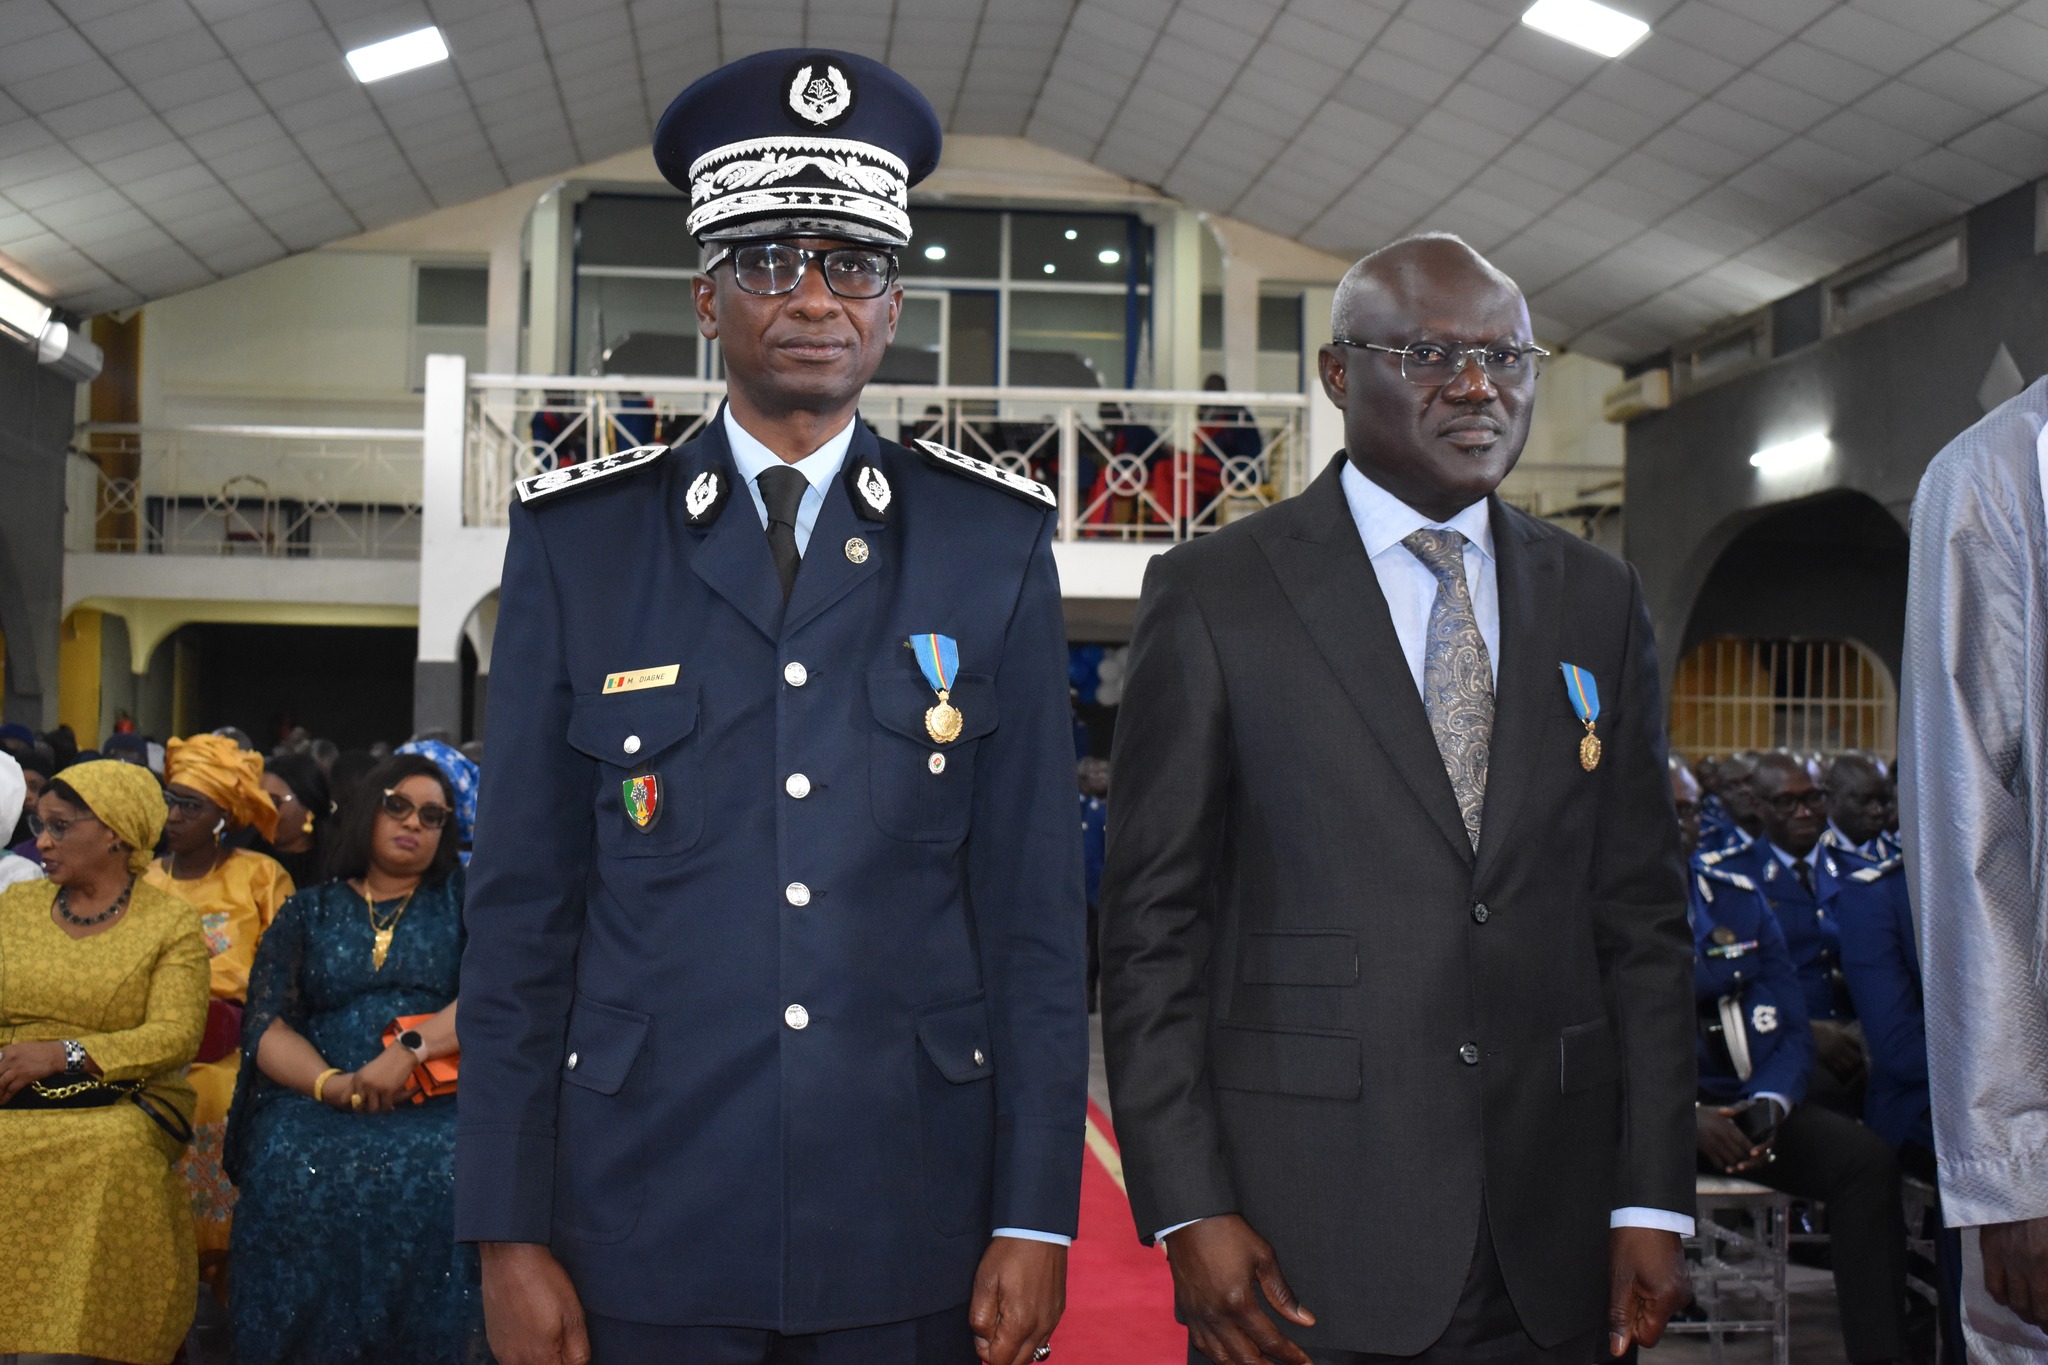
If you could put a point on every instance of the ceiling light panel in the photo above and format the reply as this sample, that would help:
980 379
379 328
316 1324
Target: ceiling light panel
1587 24
406 52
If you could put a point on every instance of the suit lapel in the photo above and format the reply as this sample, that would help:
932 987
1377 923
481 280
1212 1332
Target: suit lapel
1528 571
733 557
1322 567
827 574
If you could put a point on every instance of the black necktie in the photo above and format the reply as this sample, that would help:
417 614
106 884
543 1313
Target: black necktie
782 491
1805 871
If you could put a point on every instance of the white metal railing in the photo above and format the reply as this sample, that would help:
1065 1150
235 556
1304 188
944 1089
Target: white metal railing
273 491
1135 464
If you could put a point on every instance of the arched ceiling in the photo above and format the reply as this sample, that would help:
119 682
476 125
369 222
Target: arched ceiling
1746 148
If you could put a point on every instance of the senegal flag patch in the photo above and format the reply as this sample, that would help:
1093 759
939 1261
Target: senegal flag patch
642 795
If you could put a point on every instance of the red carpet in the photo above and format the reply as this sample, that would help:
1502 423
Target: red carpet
1119 1292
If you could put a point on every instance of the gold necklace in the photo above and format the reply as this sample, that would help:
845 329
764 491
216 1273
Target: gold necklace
381 932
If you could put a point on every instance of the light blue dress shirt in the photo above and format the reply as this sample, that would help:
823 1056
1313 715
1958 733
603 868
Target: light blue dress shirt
819 468
1383 522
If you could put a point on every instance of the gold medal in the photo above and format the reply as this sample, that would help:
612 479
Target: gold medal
944 721
1589 749
1723 935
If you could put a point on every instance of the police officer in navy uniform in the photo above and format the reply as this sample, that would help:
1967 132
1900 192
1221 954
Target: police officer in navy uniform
773 1017
1754 1119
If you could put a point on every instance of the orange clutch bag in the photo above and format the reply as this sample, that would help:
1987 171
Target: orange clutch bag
429 1079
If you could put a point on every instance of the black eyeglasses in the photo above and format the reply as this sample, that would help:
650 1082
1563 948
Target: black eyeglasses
851 272
399 806
56 829
1785 803
1432 364
185 805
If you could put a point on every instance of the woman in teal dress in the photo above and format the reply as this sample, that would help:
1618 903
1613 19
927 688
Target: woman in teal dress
344 1249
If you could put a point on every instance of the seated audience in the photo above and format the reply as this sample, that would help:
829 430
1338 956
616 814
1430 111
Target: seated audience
103 1004
13 798
1862 800
297 786
213 787
1754 1121
344 1244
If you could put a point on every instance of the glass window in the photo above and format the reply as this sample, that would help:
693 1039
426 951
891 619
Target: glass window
1062 247
1067 340
1212 321
961 244
618 229
453 296
635 325
1280 322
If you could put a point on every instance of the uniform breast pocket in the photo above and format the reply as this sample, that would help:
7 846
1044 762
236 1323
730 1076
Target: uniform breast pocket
650 798
923 790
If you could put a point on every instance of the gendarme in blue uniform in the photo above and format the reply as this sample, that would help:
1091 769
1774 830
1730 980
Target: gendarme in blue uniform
772 1009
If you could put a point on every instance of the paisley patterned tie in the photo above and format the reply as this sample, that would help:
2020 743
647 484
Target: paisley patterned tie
1457 676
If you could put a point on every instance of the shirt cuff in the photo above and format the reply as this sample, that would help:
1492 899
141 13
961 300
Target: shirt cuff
1784 1105
1028 1235
1162 1233
1660 1219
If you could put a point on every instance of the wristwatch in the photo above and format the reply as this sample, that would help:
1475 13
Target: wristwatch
74 1057
411 1041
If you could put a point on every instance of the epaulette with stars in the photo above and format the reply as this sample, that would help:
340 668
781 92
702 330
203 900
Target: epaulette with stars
1705 874
1016 485
550 482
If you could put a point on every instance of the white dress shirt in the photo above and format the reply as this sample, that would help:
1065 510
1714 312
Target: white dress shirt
1409 586
819 468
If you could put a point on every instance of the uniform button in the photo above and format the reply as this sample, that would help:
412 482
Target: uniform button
1469 1054
797 785
797 1017
632 745
796 893
978 1058
1480 914
573 1059
795 674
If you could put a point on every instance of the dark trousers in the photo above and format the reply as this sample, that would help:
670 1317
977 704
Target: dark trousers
1821 1155
941 1339
1484 1329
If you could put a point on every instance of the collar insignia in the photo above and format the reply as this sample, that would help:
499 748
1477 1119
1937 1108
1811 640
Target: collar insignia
705 498
869 489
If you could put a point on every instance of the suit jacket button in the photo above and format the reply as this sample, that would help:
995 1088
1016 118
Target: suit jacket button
571 1063
1469 1054
1480 914
797 1017
795 674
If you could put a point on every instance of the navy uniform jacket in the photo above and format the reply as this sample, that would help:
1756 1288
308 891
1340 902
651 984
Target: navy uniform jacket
1739 950
788 1056
1882 961
1812 923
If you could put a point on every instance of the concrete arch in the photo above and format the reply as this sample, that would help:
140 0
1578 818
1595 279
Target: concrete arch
1829 566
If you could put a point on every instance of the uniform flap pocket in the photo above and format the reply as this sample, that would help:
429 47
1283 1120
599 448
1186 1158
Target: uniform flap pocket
604 1040
900 697
1286 1062
1308 957
956 1038
628 729
1587 1055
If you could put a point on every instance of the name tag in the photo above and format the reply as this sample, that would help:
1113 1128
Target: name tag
639 678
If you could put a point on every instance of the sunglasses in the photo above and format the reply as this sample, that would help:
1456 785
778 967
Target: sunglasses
399 806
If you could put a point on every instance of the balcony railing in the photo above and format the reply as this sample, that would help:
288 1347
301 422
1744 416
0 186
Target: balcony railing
271 491
1134 465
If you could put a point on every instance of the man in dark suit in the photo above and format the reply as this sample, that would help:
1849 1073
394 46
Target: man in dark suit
775 1043
1397 981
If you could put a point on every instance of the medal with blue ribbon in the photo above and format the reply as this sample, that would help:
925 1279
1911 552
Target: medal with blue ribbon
1585 696
939 657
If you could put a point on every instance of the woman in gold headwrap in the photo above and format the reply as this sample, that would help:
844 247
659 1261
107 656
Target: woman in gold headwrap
215 786
102 1003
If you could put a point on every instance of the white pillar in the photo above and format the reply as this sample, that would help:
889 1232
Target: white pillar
1240 324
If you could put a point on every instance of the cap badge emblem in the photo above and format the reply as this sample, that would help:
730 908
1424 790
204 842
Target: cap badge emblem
821 100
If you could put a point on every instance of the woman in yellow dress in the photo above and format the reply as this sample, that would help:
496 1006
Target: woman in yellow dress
215 786
102 1003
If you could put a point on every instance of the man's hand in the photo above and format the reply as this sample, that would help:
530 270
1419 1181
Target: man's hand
1649 1284
1220 1268
382 1082
2016 1267
1726 1145
22 1064
1841 1051
531 1313
1019 1293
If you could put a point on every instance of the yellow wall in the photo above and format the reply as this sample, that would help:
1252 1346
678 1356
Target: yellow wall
78 674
